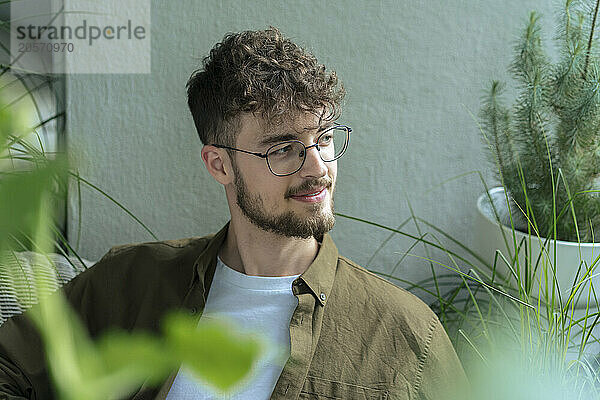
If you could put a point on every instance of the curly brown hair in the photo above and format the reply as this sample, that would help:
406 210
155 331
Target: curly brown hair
263 72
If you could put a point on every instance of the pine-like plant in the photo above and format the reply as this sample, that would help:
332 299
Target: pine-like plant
547 145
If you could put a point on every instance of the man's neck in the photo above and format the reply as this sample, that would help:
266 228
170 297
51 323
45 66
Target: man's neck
253 251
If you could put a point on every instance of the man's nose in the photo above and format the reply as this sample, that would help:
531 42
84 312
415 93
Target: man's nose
314 166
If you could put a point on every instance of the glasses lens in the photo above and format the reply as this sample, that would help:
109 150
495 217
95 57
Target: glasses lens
285 157
333 143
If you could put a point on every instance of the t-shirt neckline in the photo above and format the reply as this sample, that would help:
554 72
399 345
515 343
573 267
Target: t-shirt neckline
253 282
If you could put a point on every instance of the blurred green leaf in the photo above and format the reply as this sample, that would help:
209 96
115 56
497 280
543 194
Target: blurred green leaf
13 119
23 196
74 360
114 367
119 362
131 359
211 350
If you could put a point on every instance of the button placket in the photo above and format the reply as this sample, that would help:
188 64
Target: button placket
301 352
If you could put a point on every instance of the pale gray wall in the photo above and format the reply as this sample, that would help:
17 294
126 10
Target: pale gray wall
414 72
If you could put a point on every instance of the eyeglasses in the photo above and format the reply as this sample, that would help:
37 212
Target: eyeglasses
287 158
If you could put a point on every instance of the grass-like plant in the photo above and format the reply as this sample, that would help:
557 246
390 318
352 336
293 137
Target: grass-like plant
512 344
546 146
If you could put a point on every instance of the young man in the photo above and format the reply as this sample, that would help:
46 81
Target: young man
265 110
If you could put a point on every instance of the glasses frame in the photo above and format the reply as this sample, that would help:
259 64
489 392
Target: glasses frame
306 148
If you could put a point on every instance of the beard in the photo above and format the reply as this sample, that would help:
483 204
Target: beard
288 223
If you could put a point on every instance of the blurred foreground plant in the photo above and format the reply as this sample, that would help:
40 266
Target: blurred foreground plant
119 362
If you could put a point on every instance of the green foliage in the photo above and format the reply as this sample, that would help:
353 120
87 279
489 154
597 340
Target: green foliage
519 334
211 351
119 362
546 146
24 195
513 344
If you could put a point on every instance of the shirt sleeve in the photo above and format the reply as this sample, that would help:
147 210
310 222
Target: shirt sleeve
440 374
22 361
23 370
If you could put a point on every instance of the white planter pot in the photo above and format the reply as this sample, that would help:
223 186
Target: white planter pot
569 255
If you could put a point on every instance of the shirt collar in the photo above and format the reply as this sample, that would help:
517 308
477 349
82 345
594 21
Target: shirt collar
318 277
207 260
320 273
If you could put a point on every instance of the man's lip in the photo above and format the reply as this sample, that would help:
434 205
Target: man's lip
311 192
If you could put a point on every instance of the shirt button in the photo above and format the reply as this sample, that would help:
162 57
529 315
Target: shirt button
323 297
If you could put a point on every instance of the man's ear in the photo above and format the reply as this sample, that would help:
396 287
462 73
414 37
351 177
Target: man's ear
218 164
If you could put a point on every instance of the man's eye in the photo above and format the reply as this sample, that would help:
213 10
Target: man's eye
326 139
282 150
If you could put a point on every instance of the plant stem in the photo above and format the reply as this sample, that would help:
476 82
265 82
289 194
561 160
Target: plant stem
589 48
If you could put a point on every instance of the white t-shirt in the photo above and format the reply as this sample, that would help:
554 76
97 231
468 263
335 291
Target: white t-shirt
260 304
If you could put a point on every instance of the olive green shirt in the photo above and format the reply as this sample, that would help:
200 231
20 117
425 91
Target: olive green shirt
353 334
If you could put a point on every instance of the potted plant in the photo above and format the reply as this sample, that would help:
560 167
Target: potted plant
499 331
541 229
521 304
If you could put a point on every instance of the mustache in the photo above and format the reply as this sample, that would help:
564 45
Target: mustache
308 185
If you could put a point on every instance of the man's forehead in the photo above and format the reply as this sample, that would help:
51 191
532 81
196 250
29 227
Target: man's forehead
299 123
255 128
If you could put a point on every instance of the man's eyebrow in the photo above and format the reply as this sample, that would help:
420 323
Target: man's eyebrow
276 138
320 128
272 139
